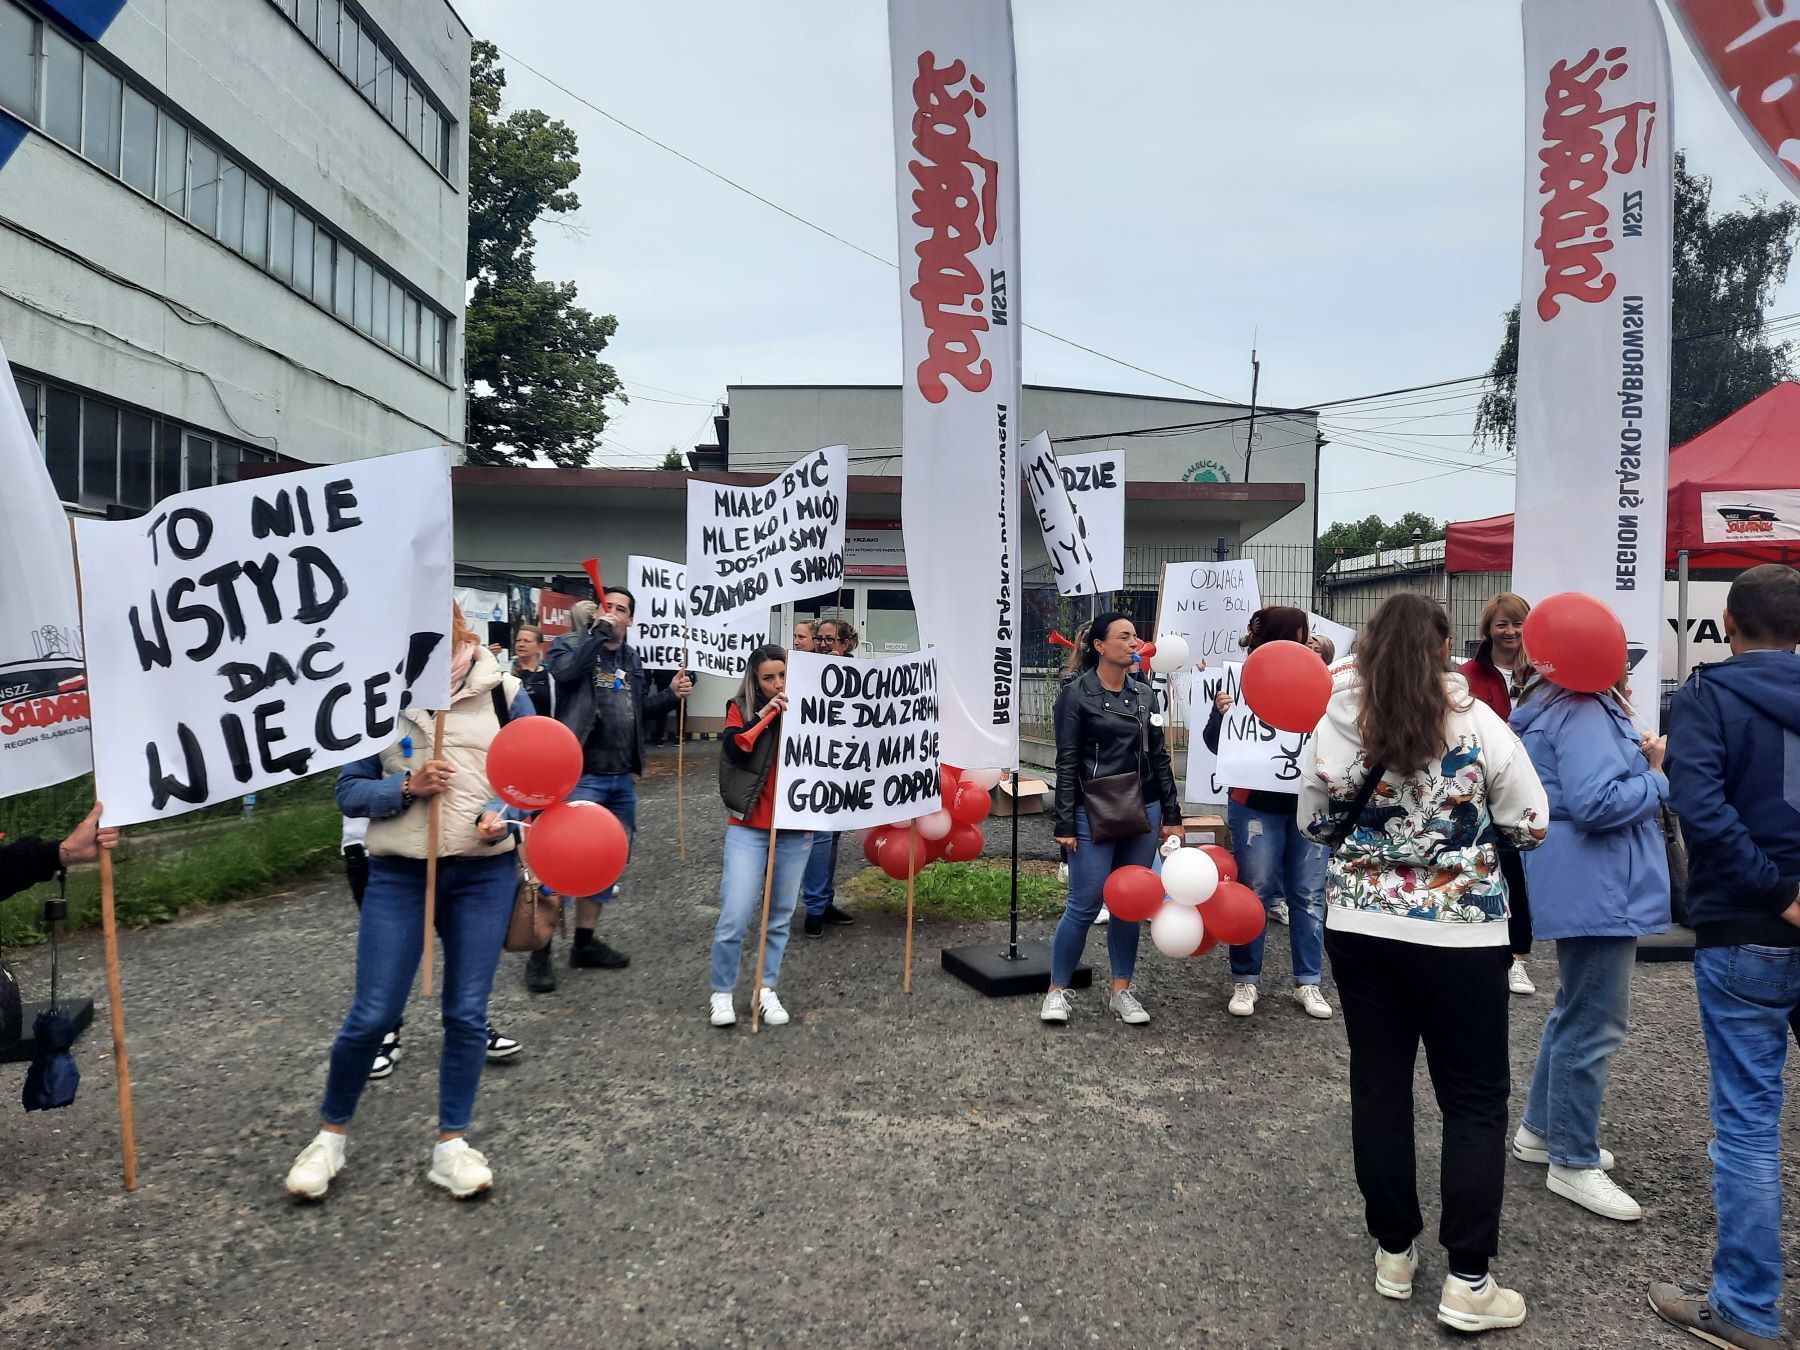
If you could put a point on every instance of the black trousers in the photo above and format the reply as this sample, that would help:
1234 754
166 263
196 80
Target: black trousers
1518 901
1394 995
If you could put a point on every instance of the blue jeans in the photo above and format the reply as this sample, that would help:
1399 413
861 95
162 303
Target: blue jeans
1278 862
1746 996
740 899
1089 867
1587 1024
474 905
819 888
617 792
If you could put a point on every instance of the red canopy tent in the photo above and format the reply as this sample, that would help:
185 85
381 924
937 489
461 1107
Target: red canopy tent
1754 451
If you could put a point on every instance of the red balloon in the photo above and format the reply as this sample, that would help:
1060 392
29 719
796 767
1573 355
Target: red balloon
872 844
1575 641
893 853
1207 943
970 805
964 843
1287 685
949 779
533 762
1133 893
577 848
1234 915
1223 860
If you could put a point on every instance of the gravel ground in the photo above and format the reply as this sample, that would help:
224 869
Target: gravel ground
886 1170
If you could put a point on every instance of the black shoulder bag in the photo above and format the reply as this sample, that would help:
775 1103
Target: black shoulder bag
1115 803
1346 822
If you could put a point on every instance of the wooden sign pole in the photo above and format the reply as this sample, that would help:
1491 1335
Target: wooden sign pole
762 942
434 817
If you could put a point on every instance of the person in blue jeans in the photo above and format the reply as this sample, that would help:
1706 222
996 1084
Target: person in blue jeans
1274 856
1734 780
747 777
1104 730
601 693
1599 882
831 637
477 875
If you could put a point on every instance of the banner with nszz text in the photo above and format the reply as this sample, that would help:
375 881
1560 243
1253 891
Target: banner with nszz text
1593 389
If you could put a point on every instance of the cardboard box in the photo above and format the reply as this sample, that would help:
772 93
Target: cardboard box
1034 796
1206 830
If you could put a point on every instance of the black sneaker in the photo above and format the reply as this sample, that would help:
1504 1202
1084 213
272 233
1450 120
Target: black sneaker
500 1047
815 925
835 915
598 955
386 1056
540 973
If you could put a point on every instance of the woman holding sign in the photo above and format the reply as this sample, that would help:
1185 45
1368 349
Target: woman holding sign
1279 863
1115 794
747 775
477 875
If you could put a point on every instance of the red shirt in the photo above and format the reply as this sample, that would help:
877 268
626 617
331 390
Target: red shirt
762 815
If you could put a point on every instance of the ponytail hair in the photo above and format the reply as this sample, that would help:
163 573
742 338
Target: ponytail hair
1098 631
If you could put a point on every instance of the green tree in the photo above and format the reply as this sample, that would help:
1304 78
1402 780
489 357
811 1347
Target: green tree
1727 269
1370 535
537 388
674 460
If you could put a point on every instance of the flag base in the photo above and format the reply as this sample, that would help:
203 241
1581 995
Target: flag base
991 971
79 1011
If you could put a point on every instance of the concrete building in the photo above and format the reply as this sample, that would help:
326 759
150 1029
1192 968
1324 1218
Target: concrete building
231 231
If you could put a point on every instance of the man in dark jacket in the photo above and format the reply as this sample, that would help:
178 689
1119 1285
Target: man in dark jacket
1734 779
600 692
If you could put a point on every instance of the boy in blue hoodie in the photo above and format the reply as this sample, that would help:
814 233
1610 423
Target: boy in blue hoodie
1734 779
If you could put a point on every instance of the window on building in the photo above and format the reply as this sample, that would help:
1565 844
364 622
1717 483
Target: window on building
99 453
303 253
281 238
199 461
138 166
100 125
321 287
306 14
137 458
409 332
434 353
383 289
256 221
18 62
62 442
397 317
231 205
62 88
365 62
344 295
384 83
225 462
365 294
171 175
168 462
327 41
28 396
203 186
432 132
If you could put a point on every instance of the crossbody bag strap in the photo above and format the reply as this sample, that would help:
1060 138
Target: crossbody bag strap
1340 831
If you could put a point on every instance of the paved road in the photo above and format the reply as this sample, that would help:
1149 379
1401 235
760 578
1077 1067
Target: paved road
886 1171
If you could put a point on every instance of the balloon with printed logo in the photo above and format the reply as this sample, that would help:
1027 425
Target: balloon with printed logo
971 804
533 762
1234 915
948 777
1287 685
1170 654
872 844
936 825
1133 893
1177 930
964 843
1576 642
1189 876
895 858
576 848
1222 860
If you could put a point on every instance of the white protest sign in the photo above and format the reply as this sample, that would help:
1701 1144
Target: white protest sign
859 742
751 548
1209 604
1202 782
43 693
1342 638
256 632
665 640
1253 754
1065 533
1096 484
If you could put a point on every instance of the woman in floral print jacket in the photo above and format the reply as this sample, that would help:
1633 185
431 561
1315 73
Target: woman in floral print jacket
1416 932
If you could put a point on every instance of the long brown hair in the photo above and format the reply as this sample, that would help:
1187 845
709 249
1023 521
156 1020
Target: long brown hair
1405 701
750 697
460 632
1275 623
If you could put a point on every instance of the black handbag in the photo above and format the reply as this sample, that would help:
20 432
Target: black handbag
1115 803
1676 846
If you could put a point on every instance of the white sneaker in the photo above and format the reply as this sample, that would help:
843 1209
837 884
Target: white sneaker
1518 979
459 1169
1394 1274
311 1175
773 1014
1104 916
1056 1006
1593 1190
1310 998
1279 913
1243 1000
1530 1146
1462 1308
1131 1012
723 1014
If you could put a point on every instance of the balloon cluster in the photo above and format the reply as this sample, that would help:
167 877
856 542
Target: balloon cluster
574 848
1195 904
952 833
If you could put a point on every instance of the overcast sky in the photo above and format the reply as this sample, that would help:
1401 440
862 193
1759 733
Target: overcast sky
1342 182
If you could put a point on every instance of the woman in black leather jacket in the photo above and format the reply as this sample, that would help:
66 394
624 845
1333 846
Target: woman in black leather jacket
1104 727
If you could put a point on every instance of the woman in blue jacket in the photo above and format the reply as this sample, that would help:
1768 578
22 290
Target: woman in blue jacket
1599 882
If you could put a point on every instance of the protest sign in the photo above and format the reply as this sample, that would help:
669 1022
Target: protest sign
663 637
751 548
859 742
1342 638
1096 484
1202 783
1065 533
43 692
256 632
1209 604
1253 754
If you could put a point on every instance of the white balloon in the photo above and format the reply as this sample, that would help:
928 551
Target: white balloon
937 825
1171 654
985 779
1177 930
1190 876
